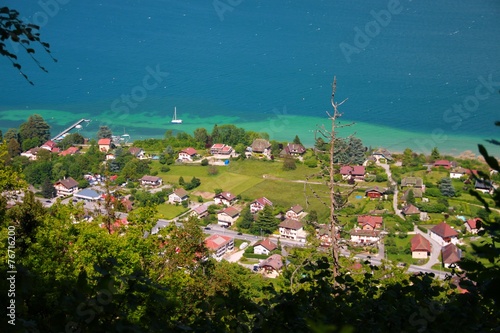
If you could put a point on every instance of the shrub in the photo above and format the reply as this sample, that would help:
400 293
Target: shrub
204 162
165 168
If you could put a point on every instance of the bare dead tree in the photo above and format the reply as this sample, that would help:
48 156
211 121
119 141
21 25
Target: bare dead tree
336 199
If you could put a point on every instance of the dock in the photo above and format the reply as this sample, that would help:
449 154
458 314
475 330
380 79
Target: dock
56 138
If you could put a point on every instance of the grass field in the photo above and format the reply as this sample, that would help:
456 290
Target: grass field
168 211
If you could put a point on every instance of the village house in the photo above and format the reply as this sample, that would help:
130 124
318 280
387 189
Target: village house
228 216
367 222
31 154
420 247
483 185
200 212
104 144
218 245
417 193
261 146
259 204
458 173
177 196
273 263
295 213
410 210
187 154
50 146
293 149
291 229
70 151
374 192
473 225
264 246
450 254
444 234
224 198
444 163
382 154
116 226
65 187
365 236
356 172
221 150
324 235
151 181
137 152
414 182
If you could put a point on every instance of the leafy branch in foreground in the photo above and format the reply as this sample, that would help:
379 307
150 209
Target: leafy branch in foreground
17 33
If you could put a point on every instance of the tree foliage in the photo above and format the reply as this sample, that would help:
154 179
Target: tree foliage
17 34
35 128
446 187
104 132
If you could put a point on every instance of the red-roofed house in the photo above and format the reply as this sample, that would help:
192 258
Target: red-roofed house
221 149
367 222
188 154
69 151
291 229
104 144
273 263
264 246
227 216
219 245
65 187
356 172
295 212
259 204
420 247
117 225
225 198
444 234
442 163
451 254
49 145
473 225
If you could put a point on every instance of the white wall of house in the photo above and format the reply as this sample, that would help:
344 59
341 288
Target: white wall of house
259 249
419 255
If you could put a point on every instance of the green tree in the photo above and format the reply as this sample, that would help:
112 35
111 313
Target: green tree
289 163
30 143
201 136
446 187
246 218
48 189
11 134
71 140
296 140
104 133
435 154
34 128
15 33
1 135
408 157
265 223
13 148
410 197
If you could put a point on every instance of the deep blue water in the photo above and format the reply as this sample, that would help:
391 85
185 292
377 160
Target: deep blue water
261 55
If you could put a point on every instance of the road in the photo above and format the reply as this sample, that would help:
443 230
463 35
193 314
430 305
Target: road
387 169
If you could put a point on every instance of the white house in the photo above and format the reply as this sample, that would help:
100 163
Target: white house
365 236
65 187
178 196
151 181
444 234
295 212
219 245
259 204
187 154
291 229
225 198
264 246
228 216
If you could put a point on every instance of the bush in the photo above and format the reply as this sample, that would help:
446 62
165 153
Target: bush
165 168
204 162
311 162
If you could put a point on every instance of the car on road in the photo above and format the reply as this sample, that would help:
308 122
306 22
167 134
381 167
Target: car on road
239 233
48 201
207 228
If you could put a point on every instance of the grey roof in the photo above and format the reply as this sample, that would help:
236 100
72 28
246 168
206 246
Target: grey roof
87 194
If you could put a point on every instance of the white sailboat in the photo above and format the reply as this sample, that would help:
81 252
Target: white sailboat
174 119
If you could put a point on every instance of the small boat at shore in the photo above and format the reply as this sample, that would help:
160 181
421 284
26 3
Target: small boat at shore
174 118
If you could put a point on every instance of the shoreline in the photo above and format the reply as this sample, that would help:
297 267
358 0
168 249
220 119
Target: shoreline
280 126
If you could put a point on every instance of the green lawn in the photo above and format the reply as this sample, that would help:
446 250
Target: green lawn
168 211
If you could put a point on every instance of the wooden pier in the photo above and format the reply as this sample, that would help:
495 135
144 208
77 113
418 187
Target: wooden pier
56 138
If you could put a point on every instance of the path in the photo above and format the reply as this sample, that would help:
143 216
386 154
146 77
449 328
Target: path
393 183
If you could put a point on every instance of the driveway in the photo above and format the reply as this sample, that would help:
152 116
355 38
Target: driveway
395 185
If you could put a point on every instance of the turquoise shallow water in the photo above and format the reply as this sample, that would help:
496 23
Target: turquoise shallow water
415 80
